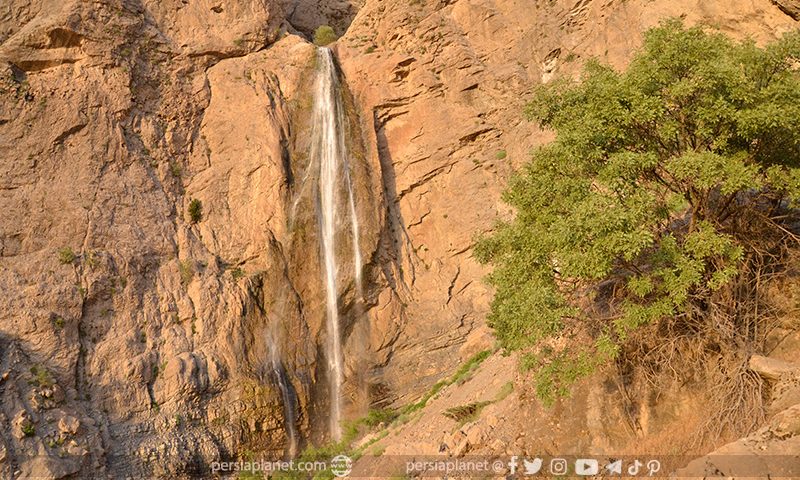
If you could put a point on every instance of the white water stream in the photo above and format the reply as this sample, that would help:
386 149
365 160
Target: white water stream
289 399
329 152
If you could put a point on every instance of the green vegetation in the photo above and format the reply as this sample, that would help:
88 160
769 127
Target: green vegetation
195 210
66 256
28 429
41 377
237 274
54 442
465 413
644 231
186 270
500 155
58 322
324 35
90 259
504 392
461 376
376 418
175 169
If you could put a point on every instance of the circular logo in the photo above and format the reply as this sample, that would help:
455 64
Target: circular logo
341 465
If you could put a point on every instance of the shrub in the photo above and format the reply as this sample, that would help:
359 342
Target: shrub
501 155
41 377
66 256
195 210
376 417
324 35
186 270
647 224
28 429
237 274
465 413
175 169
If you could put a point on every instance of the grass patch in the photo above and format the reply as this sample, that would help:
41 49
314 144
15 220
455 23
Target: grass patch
186 269
461 376
41 377
66 256
466 413
504 391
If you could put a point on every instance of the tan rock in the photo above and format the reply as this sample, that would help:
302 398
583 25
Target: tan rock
21 425
73 448
476 434
791 7
771 368
45 465
68 424
787 423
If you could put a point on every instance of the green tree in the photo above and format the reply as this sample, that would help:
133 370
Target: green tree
668 189
195 210
324 35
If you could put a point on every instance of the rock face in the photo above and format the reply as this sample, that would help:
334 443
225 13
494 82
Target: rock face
790 7
770 452
131 332
307 15
442 86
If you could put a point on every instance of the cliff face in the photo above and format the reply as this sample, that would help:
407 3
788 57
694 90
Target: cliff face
149 331
442 86
130 331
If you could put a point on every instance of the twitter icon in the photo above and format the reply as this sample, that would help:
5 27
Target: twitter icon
532 467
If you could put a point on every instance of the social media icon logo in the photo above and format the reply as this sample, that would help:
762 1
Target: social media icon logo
512 465
633 470
587 466
653 467
532 467
614 468
558 466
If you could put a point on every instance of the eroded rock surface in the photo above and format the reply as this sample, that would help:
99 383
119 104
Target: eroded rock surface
442 87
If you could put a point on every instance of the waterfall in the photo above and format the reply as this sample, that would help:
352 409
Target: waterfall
329 153
287 394
289 403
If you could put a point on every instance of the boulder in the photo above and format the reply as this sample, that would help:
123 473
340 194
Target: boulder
68 425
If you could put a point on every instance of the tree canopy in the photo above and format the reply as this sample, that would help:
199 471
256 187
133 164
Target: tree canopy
668 185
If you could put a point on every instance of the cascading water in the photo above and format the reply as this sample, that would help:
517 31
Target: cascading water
288 396
329 153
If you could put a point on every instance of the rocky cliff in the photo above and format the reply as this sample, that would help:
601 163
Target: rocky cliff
133 328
